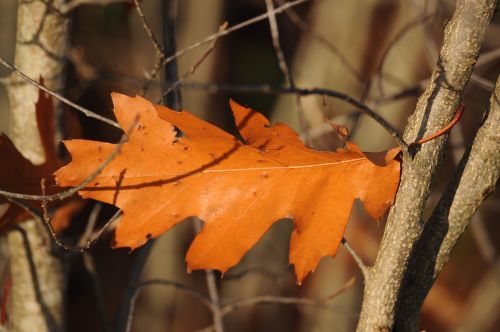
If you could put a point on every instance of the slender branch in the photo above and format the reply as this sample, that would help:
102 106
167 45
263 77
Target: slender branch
68 102
89 264
226 32
270 299
213 292
399 35
149 31
267 89
70 192
273 25
74 4
87 233
356 257
488 57
193 68
162 282
235 276
292 15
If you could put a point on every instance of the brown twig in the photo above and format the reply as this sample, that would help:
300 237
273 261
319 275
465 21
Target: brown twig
268 89
193 68
357 259
149 31
220 34
213 292
399 35
270 299
304 27
160 53
89 264
162 282
70 192
78 248
273 25
70 6
66 101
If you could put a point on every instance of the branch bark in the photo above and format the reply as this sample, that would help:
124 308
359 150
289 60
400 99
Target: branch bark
37 278
475 178
462 41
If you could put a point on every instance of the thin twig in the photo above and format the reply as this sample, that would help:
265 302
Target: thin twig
149 31
162 282
304 27
234 28
399 35
89 264
87 233
235 276
270 299
268 89
68 7
66 101
488 57
193 68
482 82
356 257
70 192
78 248
273 25
160 53
212 290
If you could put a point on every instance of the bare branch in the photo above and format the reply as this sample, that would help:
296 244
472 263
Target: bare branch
162 282
267 89
273 24
70 192
476 177
488 57
68 102
234 28
399 35
68 7
270 299
193 68
356 257
213 292
154 41
292 15
435 108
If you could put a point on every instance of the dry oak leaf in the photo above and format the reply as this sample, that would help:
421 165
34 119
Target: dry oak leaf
20 175
238 189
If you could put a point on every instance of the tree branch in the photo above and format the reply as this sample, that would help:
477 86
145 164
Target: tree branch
474 180
56 95
463 37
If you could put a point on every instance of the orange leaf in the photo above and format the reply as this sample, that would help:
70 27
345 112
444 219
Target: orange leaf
19 175
239 190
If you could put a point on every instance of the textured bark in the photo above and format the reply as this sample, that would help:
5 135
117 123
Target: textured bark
463 37
475 178
37 281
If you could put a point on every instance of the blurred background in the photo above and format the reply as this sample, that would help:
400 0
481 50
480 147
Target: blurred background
379 51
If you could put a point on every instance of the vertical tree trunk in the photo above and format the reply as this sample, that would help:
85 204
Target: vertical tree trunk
463 37
37 279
